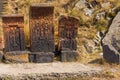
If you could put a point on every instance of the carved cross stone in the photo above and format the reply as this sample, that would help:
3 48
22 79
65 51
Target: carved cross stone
41 33
13 27
41 28
68 27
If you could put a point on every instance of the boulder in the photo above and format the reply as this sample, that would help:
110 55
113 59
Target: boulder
111 42
88 48
81 4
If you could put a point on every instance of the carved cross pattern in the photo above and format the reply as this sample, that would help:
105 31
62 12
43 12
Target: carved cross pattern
67 29
42 29
14 37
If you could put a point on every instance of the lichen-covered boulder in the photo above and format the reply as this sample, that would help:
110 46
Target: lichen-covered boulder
111 42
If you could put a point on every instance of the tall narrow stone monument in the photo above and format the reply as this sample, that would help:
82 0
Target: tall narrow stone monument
68 27
13 28
41 33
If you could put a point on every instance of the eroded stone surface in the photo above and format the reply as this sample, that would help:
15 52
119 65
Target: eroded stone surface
41 57
13 27
41 28
42 33
17 56
68 27
111 42
68 55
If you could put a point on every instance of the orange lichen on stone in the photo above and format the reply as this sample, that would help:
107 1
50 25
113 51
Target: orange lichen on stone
16 56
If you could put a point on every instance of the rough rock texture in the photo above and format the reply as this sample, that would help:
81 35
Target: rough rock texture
69 43
41 57
89 46
17 56
111 42
81 4
68 55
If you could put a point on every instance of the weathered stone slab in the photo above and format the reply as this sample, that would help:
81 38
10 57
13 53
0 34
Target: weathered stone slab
13 27
43 45
41 57
68 28
17 56
111 42
41 28
41 33
68 55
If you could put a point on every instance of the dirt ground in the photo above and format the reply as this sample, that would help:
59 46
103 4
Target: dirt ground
86 66
110 71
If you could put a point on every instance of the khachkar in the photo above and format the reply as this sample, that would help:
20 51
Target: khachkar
68 27
41 33
13 27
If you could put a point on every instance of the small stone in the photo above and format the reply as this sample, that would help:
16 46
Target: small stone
88 12
106 5
81 4
100 15
89 49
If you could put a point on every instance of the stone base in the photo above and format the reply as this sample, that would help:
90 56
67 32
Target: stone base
41 57
17 56
68 56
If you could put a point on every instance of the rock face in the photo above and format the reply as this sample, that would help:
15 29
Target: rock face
111 42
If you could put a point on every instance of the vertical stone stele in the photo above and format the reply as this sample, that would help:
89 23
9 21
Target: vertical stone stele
41 33
14 41
67 29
